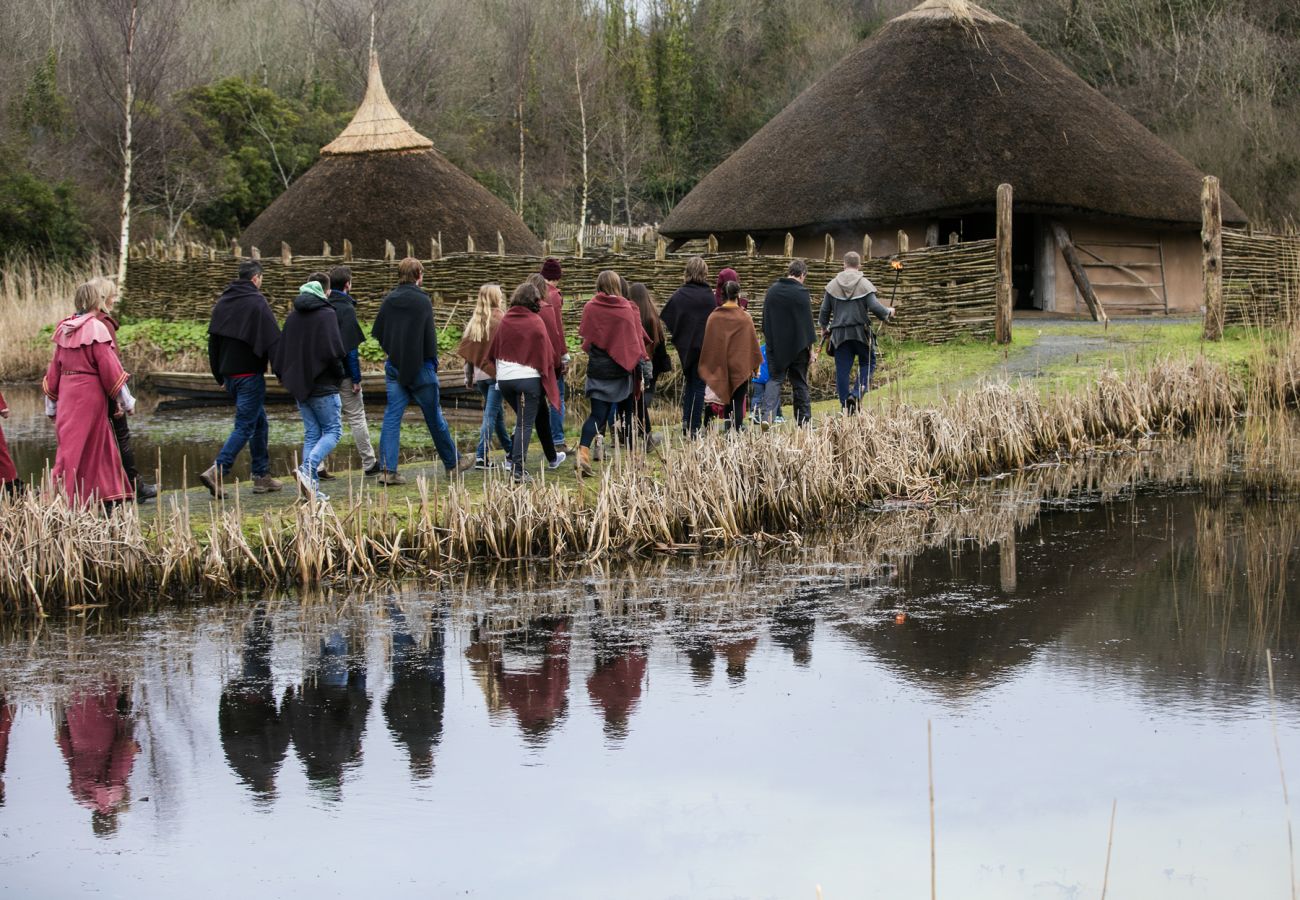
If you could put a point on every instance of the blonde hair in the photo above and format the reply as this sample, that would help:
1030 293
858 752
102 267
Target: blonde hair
93 295
490 300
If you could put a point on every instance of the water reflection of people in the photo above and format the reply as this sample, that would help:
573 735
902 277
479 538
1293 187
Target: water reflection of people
96 732
6 722
736 652
415 702
328 712
254 731
793 623
615 683
526 669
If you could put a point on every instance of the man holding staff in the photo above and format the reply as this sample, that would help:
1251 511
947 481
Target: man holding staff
847 305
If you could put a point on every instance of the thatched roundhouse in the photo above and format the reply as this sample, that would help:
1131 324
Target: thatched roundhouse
381 180
915 130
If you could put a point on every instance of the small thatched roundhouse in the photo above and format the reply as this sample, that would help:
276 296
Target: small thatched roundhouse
381 180
916 129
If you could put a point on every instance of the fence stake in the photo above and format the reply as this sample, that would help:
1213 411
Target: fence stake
866 246
1003 317
903 245
789 245
830 248
1212 257
347 250
286 255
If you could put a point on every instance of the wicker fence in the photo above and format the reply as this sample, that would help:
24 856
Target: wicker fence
942 292
1261 278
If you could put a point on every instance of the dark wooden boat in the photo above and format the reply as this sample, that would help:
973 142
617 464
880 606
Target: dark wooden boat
200 387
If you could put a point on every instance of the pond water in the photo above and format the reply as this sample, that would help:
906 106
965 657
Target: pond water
744 725
174 440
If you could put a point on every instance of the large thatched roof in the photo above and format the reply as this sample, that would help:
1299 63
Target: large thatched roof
381 180
926 118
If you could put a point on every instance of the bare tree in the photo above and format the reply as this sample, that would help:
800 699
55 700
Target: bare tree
131 45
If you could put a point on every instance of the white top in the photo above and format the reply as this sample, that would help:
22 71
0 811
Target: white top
508 371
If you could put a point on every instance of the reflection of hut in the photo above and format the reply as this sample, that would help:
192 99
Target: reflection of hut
915 130
976 629
381 180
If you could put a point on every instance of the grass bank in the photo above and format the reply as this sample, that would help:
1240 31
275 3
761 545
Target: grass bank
720 490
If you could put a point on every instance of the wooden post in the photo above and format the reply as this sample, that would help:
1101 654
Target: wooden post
932 234
617 246
390 252
410 249
830 248
546 248
711 245
903 246
286 255
235 250
661 250
953 238
347 250
1077 272
254 253
469 243
1212 257
789 245
866 246
1007 563
326 250
435 252
501 245
1003 315
751 248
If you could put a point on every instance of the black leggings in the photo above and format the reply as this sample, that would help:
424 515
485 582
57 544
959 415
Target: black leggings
526 398
601 412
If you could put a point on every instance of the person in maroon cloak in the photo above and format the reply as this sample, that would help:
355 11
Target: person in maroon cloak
527 375
615 343
96 733
84 376
720 289
8 471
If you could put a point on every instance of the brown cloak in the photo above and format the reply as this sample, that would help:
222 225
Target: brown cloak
730 354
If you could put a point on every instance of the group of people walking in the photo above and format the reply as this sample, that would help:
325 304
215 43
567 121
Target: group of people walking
515 354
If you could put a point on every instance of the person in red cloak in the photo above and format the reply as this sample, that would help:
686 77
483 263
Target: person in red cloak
615 343
8 471
84 376
615 683
96 733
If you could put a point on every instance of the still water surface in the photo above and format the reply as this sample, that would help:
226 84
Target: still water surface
741 726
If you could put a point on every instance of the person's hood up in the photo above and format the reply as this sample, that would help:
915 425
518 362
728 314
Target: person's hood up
849 285
311 296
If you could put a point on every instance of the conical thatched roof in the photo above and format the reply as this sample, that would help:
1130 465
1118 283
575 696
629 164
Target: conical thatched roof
925 119
381 180
377 125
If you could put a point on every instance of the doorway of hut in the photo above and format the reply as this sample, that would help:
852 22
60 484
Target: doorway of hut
1027 235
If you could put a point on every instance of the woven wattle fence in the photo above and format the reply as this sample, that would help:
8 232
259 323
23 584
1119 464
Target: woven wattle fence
942 292
1261 278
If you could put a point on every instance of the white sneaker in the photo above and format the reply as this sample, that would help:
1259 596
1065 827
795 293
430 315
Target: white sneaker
560 456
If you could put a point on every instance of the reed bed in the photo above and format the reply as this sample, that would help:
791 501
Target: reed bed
33 294
720 490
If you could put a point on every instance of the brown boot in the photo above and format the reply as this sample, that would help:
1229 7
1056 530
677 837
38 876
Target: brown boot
387 478
265 484
211 479
583 464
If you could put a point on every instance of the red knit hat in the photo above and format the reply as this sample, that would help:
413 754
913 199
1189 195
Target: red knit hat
551 270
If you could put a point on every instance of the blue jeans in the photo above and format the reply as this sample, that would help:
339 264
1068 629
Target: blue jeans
845 354
425 394
557 416
322 426
249 393
494 419
692 400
